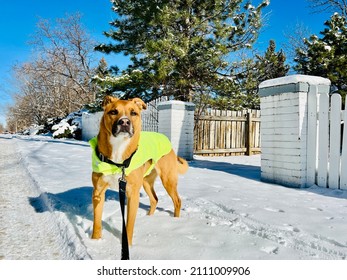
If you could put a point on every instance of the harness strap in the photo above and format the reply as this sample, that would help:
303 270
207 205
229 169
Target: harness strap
124 164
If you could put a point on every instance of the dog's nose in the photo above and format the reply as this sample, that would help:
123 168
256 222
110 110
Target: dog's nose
124 122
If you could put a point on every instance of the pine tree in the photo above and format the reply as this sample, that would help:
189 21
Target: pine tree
101 86
326 56
179 47
241 89
272 64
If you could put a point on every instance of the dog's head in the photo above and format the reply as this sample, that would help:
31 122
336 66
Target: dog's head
122 116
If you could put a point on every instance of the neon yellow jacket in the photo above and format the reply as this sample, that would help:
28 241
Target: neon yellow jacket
152 146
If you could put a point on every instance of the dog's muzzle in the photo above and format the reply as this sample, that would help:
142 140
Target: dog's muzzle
123 125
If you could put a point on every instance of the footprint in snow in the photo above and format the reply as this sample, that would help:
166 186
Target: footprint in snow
274 210
291 228
270 249
191 237
314 208
191 209
217 186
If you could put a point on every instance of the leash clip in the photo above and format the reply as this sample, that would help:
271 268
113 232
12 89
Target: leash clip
122 181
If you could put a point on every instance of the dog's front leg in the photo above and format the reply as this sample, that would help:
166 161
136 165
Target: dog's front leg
133 196
98 198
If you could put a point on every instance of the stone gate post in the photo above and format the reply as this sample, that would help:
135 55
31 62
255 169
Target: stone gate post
284 127
176 121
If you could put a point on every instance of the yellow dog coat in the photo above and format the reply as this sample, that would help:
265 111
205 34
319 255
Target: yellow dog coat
151 146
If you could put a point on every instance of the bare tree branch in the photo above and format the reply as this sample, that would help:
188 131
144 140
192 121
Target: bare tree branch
57 81
339 6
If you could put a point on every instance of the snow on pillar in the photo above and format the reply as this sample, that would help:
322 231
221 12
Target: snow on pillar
90 125
284 126
176 121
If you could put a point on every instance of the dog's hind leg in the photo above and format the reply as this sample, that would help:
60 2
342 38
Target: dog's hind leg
169 180
170 185
148 185
167 169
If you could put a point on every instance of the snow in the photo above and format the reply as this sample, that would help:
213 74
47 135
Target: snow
62 127
227 212
328 48
293 79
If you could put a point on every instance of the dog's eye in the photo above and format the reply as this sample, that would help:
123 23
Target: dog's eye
133 113
113 112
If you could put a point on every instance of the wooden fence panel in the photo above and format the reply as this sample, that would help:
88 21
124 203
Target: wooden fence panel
217 132
227 132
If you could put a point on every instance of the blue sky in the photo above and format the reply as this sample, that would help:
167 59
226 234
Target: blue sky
19 17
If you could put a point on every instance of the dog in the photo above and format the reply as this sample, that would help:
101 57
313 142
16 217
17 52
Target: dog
150 154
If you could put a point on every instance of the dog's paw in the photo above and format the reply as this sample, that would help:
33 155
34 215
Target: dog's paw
96 235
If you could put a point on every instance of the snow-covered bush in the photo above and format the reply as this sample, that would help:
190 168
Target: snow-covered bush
69 127
33 130
63 130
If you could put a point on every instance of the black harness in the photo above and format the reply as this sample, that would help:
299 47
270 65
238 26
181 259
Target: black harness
125 163
122 198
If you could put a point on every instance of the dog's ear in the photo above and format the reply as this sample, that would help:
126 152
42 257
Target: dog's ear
108 99
139 102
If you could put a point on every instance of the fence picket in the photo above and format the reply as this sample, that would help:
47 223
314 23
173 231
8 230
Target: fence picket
335 141
324 146
323 140
343 178
312 135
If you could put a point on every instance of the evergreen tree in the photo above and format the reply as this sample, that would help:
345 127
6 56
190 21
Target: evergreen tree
241 89
326 56
103 88
272 64
179 47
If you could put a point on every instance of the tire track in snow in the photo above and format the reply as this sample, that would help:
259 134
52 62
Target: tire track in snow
313 246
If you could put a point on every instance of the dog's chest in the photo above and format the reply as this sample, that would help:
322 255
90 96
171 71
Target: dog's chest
119 145
112 180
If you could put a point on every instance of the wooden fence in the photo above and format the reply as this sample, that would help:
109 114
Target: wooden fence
326 149
224 133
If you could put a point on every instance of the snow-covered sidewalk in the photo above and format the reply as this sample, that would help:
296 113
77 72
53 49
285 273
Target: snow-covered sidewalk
227 212
25 233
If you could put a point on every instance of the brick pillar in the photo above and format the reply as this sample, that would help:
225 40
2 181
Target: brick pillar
176 121
284 126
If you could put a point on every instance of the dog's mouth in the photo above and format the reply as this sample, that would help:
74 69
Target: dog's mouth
123 126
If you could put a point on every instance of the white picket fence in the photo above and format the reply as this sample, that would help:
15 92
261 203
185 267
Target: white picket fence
326 149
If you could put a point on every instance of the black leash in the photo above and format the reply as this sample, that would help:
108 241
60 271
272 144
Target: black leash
122 198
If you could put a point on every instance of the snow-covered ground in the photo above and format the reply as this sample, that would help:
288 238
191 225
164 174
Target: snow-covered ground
227 212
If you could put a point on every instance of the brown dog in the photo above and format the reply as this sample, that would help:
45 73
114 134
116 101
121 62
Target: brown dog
119 139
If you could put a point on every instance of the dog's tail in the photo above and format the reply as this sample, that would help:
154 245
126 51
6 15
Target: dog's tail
182 165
